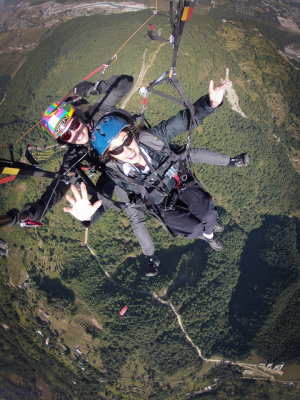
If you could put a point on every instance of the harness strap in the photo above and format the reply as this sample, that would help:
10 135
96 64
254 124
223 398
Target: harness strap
11 151
154 172
30 157
153 210
166 96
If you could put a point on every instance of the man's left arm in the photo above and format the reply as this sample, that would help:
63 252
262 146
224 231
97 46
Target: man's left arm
210 157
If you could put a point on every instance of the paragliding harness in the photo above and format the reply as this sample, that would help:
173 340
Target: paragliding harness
161 186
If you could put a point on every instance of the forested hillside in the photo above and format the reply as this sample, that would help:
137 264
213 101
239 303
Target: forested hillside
236 304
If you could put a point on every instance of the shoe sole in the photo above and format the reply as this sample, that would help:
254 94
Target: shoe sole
217 249
219 229
214 248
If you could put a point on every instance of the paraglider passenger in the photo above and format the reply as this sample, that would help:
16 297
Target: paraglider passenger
151 171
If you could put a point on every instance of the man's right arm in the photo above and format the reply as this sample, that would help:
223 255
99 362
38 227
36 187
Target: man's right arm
112 89
53 194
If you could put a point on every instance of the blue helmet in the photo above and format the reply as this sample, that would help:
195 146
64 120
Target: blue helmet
106 130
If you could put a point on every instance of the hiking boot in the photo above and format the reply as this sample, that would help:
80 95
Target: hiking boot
219 228
152 269
242 160
214 243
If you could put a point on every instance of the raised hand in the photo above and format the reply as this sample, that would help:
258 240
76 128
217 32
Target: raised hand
83 89
216 94
81 207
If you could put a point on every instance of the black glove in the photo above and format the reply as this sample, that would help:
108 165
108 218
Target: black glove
32 211
14 215
84 89
242 160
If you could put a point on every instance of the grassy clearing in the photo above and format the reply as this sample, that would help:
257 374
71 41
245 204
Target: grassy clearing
32 35
14 267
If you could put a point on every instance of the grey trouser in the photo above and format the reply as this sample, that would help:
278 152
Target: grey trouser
137 220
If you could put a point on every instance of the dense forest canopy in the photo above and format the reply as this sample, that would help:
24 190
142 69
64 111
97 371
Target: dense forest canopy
236 303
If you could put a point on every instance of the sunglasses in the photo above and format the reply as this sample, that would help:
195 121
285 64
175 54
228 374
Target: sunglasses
127 142
74 125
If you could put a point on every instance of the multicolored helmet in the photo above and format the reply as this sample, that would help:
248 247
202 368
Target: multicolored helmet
106 130
56 118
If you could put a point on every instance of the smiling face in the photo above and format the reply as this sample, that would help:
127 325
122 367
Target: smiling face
77 132
131 153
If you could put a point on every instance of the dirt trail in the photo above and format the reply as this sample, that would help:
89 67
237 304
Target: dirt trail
179 319
142 73
3 99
